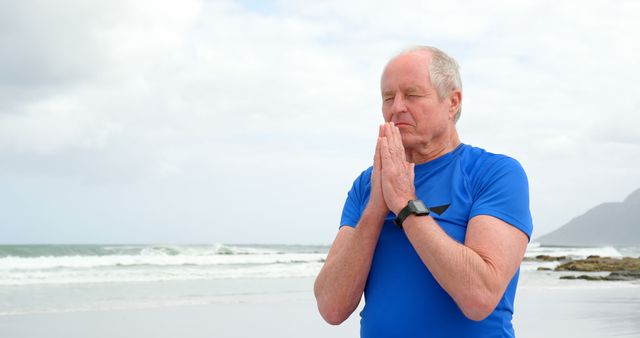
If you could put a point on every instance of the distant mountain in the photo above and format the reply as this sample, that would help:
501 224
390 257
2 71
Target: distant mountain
606 224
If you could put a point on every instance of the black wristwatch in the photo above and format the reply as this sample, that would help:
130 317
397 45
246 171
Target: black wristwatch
415 207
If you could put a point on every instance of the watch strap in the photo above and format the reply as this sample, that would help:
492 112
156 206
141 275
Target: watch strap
414 207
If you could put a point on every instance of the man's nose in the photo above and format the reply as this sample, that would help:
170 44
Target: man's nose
399 105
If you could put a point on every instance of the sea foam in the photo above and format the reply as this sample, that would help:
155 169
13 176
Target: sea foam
156 263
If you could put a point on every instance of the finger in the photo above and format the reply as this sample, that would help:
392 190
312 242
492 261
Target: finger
396 131
376 157
385 155
403 153
391 133
385 129
398 148
393 128
388 131
393 137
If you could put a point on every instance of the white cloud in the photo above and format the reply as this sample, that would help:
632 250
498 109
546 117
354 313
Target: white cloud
196 108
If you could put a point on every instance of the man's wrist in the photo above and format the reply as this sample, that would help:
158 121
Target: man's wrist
409 221
375 212
401 204
414 207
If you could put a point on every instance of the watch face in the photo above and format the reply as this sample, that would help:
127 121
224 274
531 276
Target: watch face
419 206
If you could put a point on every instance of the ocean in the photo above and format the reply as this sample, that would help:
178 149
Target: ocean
70 278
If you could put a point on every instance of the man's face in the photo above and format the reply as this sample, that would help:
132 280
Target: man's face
411 102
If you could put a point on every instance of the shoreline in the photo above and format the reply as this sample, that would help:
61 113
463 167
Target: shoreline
237 291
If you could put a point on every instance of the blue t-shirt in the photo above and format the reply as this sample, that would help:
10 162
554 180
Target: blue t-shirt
402 298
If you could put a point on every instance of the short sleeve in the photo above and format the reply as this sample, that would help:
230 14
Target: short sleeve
502 191
356 199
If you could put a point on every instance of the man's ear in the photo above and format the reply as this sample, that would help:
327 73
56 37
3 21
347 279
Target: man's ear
455 99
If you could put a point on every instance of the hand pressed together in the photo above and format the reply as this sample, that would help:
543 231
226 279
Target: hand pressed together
392 180
376 199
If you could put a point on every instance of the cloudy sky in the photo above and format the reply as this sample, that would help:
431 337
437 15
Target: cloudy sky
246 121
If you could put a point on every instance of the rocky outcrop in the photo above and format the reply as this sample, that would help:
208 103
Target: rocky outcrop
596 263
622 269
614 276
546 258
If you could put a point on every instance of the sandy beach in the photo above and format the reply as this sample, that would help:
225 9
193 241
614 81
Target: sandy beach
278 315
589 309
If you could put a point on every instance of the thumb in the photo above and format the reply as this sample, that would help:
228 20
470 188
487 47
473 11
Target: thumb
376 157
412 173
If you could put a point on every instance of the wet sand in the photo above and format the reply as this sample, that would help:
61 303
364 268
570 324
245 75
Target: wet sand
585 311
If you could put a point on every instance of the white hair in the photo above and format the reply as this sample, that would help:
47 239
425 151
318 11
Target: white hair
444 72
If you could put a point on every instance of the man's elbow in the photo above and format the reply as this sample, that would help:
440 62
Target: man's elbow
478 307
334 316
334 313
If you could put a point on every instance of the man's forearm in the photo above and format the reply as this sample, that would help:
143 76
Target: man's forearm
340 283
469 278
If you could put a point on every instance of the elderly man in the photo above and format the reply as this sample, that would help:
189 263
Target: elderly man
434 232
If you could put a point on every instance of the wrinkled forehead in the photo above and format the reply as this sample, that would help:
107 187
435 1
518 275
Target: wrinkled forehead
412 67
